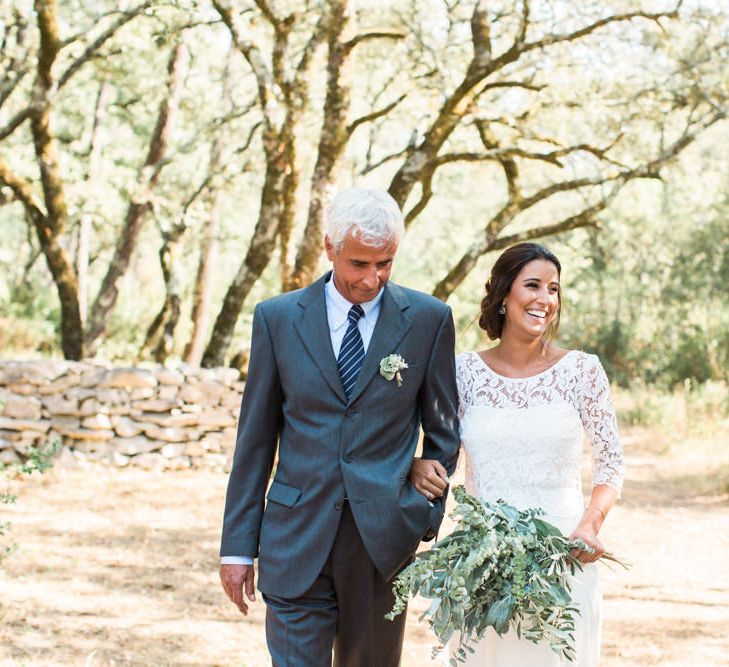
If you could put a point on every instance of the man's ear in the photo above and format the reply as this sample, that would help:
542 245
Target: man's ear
329 247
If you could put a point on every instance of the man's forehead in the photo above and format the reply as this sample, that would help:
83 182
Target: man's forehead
354 245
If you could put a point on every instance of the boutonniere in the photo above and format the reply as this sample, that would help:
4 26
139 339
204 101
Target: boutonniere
391 366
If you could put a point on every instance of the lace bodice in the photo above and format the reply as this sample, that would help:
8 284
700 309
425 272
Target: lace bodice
523 436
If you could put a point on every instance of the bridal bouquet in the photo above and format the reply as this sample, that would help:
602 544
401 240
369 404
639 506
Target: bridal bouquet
501 567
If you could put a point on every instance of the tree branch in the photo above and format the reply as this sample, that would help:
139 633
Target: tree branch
523 23
374 114
425 196
246 144
552 157
456 275
493 241
513 84
596 25
11 83
268 13
367 36
211 127
302 68
508 164
16 122
481 37
569 186
585 218
650 169
104 37
388 158
281 32
24 114
251 53
22 190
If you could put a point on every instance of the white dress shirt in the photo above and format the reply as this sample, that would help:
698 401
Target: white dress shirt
338 318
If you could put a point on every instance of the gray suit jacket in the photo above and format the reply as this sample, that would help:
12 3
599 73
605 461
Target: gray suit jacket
329 447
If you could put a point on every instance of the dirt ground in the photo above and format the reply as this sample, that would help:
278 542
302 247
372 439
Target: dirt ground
119 567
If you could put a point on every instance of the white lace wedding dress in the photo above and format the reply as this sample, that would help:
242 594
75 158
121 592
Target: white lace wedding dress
523 443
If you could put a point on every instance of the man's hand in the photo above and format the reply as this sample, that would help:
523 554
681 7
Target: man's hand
429 477
236 579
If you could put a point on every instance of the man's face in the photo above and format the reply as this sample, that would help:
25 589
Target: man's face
360 271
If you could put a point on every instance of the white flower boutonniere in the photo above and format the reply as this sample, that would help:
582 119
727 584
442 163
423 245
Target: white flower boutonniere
391 366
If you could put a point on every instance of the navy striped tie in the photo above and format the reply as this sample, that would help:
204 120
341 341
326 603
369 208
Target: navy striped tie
352 353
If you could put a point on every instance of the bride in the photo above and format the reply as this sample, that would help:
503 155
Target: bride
524 407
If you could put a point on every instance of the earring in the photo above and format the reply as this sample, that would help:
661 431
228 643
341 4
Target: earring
502 310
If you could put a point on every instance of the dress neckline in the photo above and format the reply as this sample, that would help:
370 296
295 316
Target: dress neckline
526 377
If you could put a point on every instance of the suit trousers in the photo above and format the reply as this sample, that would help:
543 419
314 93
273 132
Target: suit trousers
343 610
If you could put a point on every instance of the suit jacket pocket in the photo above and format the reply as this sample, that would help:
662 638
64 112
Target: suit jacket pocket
283 494
416 506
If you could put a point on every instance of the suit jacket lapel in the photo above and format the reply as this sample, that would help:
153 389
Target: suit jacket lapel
312 326
392 325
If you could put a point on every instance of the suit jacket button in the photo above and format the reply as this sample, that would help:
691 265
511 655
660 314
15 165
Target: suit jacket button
338 505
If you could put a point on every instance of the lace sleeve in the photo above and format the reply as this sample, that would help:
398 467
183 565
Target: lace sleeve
462 383
598 418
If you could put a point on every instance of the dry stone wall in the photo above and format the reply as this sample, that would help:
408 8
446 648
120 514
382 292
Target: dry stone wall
156 417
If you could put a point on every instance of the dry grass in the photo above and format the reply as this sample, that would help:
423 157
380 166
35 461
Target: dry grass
119 567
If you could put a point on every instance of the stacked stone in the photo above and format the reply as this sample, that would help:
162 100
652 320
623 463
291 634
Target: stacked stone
156 418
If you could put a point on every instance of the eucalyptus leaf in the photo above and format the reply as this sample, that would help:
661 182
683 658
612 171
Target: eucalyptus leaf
544 528
500 614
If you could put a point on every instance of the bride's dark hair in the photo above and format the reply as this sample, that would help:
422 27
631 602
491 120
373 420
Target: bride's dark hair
503 273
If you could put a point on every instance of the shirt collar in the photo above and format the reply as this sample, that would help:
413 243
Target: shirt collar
339 306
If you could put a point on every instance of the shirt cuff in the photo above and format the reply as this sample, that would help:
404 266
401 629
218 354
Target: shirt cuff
236 560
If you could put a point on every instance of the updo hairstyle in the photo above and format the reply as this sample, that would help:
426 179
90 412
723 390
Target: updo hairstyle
503 273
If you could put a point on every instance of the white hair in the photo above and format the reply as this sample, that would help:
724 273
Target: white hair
373 216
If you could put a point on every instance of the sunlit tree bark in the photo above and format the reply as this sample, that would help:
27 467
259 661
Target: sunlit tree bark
141 203
282 98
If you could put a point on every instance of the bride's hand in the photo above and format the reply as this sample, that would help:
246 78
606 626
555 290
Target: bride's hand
429 477
589 536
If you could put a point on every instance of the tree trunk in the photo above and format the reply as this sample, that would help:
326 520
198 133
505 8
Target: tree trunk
259 254
85 225
332 142
140 205
160 336
166 342
289 187
204 283
202 295
50 227
277 93
57 260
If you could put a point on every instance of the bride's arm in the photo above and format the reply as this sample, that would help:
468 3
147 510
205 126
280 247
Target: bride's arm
602 499
598 418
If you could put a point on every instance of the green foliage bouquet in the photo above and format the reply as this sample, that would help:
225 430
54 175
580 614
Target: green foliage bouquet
501 567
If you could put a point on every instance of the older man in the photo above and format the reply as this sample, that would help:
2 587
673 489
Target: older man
342 376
